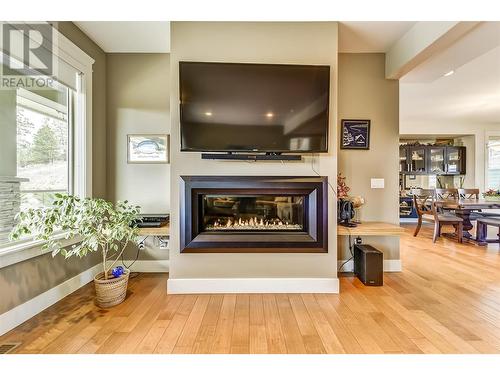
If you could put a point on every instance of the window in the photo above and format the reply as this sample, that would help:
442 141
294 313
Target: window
493 160
45 135
44 145
38 131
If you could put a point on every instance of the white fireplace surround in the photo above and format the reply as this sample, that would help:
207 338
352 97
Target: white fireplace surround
267 43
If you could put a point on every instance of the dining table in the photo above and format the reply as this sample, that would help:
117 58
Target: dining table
464 208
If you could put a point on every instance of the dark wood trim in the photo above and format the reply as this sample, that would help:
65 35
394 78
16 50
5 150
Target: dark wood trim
258 250
314 239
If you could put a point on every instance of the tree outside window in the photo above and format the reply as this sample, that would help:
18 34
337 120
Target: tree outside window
42 152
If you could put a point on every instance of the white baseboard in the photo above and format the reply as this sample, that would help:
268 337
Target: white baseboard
27 310
390 265
150 266
253 285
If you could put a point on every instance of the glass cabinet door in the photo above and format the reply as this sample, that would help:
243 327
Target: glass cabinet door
417 159
437 160
403 159
454 160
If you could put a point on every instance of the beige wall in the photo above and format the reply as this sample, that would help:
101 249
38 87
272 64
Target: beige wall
138 102
23 281
288 43
364 93
469 142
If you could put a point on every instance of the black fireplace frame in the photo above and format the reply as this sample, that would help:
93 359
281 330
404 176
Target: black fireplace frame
313 240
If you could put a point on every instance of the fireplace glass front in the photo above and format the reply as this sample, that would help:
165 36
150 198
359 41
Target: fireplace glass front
253 213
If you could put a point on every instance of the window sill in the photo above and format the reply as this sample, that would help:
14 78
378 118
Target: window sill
27 250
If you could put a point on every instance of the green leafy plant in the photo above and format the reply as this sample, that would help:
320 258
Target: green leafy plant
97 223
45 145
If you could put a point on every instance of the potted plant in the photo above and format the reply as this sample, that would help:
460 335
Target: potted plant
492 195
98 225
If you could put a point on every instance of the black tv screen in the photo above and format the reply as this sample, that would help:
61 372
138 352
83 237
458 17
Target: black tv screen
254 107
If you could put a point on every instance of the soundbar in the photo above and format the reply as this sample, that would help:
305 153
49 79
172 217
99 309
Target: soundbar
254 157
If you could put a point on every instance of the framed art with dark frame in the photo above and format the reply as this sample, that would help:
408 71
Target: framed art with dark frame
355 135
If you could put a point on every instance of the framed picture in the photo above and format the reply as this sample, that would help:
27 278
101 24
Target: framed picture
147 148
355 134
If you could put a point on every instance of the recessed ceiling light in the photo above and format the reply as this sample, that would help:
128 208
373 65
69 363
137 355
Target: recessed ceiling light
448 73
269 114
208 113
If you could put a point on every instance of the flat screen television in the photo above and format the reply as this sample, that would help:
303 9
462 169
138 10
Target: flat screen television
233 107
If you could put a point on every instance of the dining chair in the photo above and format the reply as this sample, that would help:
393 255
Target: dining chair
422 202
442 194
477 214
468 193
446 194
426 207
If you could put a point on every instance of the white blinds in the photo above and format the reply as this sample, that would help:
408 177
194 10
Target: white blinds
63 72
66 74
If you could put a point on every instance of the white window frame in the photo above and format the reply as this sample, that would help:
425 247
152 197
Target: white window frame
71 54
487 135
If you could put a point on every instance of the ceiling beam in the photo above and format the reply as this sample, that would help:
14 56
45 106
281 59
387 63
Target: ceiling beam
423 40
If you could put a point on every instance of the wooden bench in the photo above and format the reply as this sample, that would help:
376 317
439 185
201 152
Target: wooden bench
482 230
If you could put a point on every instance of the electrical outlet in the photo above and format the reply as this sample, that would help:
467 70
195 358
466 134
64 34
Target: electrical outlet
377 183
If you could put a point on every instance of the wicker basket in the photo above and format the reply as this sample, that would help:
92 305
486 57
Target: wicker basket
112 291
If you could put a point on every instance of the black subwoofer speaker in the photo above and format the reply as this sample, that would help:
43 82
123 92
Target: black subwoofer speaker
369 265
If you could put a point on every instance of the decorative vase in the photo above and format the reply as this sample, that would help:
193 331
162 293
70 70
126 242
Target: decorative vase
357 203
110 292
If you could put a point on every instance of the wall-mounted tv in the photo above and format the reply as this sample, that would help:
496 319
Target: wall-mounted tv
234 107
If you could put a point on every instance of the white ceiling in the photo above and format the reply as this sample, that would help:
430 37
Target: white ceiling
154 37
470 95
128 36
369 37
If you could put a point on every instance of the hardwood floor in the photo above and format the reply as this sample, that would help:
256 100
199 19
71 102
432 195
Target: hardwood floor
446 300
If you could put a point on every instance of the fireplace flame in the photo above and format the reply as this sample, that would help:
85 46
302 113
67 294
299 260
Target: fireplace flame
252 223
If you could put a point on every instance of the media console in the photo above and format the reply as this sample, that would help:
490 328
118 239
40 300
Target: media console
267 156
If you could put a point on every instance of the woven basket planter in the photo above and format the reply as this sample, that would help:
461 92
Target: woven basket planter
112 291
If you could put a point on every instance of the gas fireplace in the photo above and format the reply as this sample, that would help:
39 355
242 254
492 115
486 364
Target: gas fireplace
253 214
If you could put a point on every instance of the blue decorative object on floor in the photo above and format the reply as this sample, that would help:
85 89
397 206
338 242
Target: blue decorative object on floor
117 271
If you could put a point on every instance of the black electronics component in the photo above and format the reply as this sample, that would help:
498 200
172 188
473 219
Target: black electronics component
345 213
254 108
255 157
369 265
152 220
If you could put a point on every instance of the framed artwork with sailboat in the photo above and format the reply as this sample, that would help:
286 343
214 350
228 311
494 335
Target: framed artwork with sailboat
355 135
